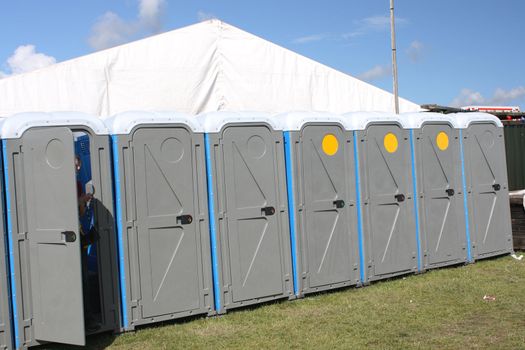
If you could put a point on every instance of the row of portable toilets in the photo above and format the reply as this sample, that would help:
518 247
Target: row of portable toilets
231 209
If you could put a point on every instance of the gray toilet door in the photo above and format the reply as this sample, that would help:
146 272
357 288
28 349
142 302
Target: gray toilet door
489 188
445 231
393 240
168 244
252 210
327 237
53 235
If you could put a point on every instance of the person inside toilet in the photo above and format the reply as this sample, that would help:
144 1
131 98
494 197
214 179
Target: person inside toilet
88 236
83 198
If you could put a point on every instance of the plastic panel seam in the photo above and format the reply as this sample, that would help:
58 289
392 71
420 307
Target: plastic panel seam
291 206
118 214
359 212
416 208
465 194
11 259
211 213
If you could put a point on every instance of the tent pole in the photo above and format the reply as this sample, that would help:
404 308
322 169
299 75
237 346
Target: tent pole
394 60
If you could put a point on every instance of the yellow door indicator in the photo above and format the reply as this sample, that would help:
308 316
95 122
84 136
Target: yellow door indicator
442 141
330 144
390 142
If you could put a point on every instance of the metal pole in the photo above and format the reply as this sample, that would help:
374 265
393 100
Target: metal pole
394 60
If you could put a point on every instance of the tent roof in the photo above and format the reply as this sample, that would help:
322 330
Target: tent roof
209 66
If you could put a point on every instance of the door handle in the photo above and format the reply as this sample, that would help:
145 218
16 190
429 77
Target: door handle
400 197
268 211
184 219
496 187
339 203
69 236
450 192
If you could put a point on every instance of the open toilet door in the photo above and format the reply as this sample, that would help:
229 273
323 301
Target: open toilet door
53 235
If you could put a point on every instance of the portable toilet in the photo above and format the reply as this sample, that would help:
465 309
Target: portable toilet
485 181
320 168
440 197
51 290
162 217
248 208
385 194
6 341
5 310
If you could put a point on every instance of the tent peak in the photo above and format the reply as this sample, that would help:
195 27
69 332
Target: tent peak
207 66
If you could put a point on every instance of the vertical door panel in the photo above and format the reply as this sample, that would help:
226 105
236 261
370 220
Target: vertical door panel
5 314
444 224
489 192
253 235
168 245
53 235
327 235
393 239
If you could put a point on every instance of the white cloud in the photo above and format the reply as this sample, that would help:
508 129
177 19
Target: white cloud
110 29
362 27
205 16
25 59
310 38
372 23
351 35
469 97
504 96
376 73
415 51
375 22
150 14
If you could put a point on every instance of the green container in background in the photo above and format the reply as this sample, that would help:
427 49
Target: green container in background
515 152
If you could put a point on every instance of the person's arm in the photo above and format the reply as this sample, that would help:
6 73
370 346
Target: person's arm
82 203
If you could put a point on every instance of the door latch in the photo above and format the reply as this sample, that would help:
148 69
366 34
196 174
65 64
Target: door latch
184 219
70 236
496 187
339 203
450 192
400 197
268 211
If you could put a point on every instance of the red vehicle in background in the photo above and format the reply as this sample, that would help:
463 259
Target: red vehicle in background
497 110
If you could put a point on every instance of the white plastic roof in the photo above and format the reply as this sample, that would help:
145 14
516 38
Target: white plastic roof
294 121
465 119
124 122
210 66
14 126
416 120
360 120
213 122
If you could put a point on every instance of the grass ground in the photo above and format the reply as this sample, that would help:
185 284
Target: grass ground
441 309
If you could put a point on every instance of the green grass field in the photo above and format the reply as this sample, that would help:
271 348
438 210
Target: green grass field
441 309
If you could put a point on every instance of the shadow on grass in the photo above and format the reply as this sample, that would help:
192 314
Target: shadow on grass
101 341
104 340
95 341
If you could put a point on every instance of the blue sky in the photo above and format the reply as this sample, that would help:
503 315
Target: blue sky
449 52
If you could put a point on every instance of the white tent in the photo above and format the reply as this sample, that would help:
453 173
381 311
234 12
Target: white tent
209 66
